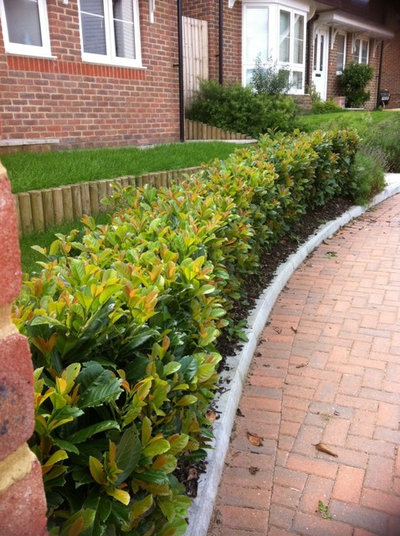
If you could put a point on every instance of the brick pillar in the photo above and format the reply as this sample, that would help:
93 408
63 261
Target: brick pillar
22 499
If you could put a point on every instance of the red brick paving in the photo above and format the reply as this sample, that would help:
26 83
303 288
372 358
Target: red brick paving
327 370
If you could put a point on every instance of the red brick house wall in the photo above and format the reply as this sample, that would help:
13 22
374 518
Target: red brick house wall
390 78
87 105
334 88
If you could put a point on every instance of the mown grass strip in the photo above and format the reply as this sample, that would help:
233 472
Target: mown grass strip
32 171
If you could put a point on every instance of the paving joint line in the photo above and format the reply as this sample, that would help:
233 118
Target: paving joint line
202 507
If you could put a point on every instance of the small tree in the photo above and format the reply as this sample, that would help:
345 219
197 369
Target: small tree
353 80
269 79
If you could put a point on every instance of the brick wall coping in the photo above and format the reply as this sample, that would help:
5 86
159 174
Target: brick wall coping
17 142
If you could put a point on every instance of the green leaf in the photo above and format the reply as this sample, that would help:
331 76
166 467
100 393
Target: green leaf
98 386
97 471
187 400
146 430
171 368
120 495
159 446
87 518
167 507
108 292
155 477
141 507
177 443
128 453
66 445
85 433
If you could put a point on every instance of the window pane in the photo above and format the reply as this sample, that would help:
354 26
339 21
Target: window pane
340 40
297 79
256 34
95 7
298 38
249 75
356 53
284 36
321 53
93 32
364 51
124 29
315 52
23 22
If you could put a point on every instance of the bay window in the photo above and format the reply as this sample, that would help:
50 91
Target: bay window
110 32
255 38
25 27
275 34
291 47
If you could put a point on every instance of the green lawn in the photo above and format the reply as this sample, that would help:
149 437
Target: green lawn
32 171
361 121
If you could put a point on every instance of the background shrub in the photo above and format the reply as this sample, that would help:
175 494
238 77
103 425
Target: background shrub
239 109
319 106
353 80
368 178
123 319
269 79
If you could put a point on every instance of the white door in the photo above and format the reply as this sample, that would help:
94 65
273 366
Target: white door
320 64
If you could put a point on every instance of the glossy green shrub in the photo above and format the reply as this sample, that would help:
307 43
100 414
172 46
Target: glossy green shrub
239 109
123 318
354 80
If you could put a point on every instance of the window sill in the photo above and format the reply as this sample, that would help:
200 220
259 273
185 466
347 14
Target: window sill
109 63
27 55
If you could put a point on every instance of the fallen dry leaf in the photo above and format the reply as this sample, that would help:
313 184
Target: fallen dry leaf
211 415
254 439
293 329
192 474
323 448
253 470
301 365
277 330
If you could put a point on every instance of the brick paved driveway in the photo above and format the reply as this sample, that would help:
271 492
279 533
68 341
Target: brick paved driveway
326 370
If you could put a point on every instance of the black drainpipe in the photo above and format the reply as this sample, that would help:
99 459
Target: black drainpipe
221 43
180 74
378 100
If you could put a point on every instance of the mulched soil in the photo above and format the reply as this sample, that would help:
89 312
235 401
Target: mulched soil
189 473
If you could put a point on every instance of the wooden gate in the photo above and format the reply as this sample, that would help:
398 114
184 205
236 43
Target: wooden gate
195 55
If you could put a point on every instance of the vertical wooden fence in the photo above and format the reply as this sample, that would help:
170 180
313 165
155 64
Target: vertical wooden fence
194 130
195 55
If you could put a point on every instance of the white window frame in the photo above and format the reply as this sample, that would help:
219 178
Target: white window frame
298 7
344 34
245 65
110 58
290 65
362 40
43 51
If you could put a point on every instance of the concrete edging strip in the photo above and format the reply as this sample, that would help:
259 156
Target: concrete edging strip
202 506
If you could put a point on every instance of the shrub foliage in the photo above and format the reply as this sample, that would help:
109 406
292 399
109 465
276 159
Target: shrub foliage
354 79
122 321
269 79
239 109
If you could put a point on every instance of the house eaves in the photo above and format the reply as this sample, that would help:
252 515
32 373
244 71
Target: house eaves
339 19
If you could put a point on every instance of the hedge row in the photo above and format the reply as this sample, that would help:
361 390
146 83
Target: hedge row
123 319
